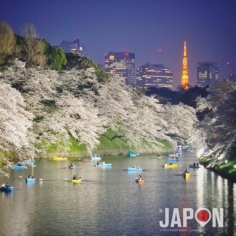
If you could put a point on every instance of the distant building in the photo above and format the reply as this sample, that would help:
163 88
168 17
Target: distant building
154 75
75 47
207 73
122 64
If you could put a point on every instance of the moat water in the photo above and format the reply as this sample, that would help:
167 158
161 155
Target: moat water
109 202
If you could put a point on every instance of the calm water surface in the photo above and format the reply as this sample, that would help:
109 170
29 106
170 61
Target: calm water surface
109 202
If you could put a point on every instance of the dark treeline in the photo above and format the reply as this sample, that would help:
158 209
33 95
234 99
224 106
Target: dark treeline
187 97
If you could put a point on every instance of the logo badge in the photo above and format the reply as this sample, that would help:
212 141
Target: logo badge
203 216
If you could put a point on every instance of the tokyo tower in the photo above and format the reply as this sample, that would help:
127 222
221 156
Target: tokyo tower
184 80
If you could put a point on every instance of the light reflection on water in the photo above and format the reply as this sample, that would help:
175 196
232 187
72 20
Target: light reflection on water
109 202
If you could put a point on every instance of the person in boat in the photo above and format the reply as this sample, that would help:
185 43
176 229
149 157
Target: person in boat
7 185
74 177
29 176
186 171
138 167
134 166
3 185
194 164
19 164
71 165
98 163
140 177
197 165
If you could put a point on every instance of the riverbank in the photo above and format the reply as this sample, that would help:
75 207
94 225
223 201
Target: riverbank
85 154
226 170
107 152
111 144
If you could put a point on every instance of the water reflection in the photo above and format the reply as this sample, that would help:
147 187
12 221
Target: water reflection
108 200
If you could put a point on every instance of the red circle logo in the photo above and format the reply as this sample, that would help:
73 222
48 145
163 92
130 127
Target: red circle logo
203 215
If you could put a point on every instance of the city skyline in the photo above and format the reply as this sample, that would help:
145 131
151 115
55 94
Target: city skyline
153 30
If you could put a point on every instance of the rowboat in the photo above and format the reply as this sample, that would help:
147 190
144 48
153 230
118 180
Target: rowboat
20 167
174 165
76 181
174 154
73 167
60 158
96 157
139 181
30 180
186 175
6 189
194 166
26 162
134 169
133 154
158 157
174 159
104 165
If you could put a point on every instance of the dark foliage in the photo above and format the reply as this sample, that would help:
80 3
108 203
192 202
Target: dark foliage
75 61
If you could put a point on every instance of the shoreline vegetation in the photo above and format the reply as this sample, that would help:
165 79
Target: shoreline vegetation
109 146
226 170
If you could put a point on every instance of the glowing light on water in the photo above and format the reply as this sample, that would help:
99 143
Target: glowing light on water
200 152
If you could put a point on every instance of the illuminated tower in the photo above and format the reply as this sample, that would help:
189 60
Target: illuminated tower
184 80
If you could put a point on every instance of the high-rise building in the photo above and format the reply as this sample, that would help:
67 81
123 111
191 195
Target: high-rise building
207 73
75 47
122 64
184 79
154 75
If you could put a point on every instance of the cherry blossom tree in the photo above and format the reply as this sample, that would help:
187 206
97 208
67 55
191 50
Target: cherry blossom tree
73 103
50 96
15 124
217 127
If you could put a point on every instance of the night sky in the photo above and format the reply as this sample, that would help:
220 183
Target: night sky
139 26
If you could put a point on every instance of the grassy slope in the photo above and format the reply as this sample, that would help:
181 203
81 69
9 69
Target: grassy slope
106 143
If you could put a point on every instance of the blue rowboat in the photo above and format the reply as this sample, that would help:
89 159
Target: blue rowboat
173 159
20 167
174 154
6 189
133 154
134 169
26 162
96 157
104 165
73 167
195 167
30 180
